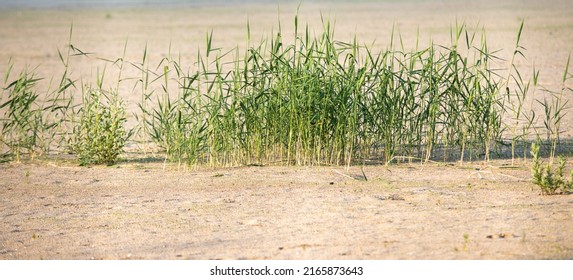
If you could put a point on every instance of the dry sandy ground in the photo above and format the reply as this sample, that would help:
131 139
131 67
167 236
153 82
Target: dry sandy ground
55 210
406 211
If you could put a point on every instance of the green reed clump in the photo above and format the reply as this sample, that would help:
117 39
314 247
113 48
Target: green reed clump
99 135
555 109
22 121
178 126
30 124
310 101
321 101
422 101
35 122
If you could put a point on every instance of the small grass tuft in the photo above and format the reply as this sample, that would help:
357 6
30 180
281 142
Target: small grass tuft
550 180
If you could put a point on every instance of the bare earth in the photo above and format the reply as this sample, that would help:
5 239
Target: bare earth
406 211
53 209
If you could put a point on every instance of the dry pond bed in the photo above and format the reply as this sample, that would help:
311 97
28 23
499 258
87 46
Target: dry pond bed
54 210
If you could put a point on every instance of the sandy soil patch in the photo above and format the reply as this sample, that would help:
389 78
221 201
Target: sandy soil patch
407 211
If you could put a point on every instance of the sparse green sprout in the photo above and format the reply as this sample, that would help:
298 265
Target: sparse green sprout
466 242
549 180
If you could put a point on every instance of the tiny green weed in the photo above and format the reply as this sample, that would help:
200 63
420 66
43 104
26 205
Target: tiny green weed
551 180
